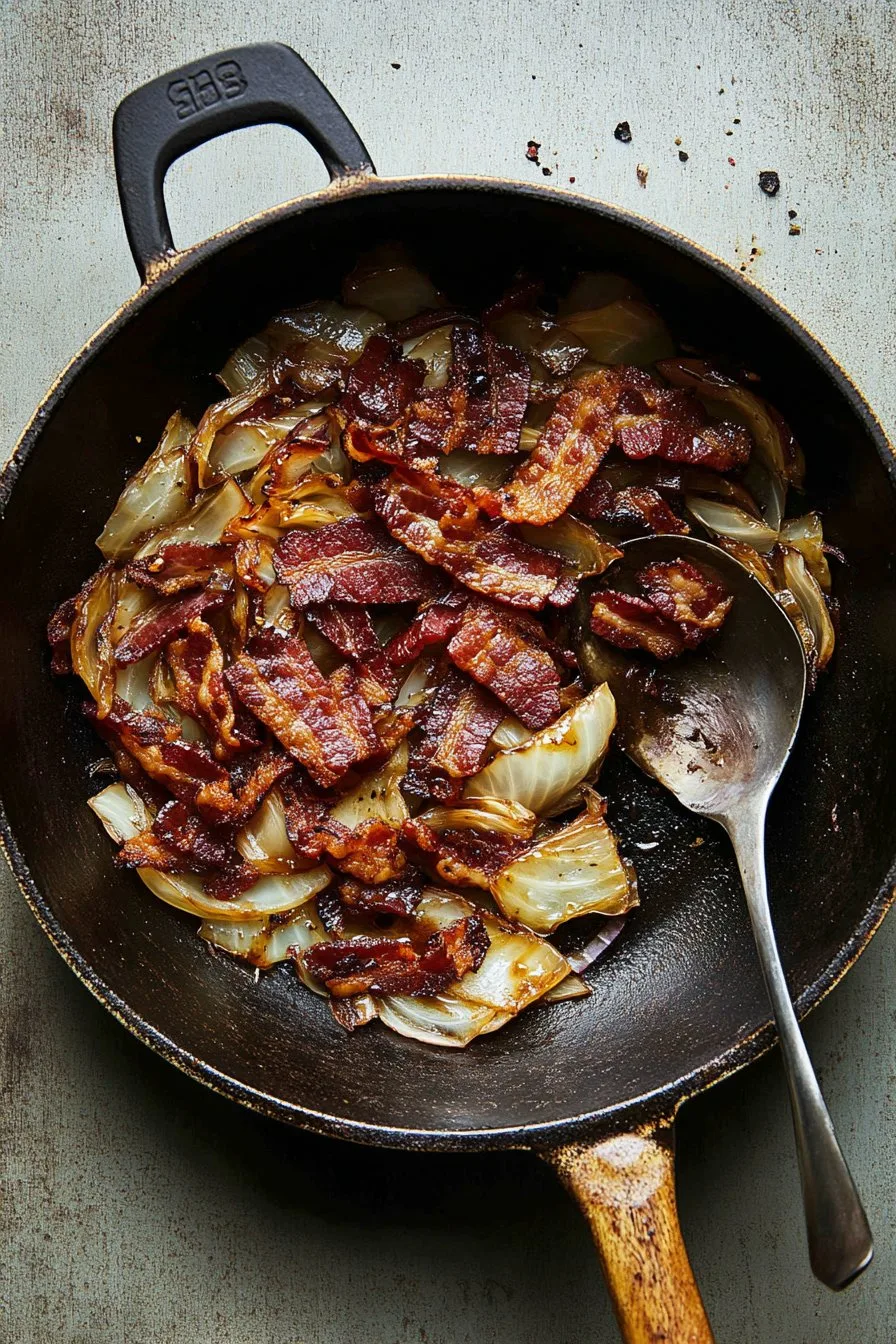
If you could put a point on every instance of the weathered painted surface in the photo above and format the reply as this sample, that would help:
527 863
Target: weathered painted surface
137 1207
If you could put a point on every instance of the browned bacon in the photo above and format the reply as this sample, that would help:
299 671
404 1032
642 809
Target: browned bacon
180 565
681 608
481 406
461 856
351 631
381 383
684 594
400 896
570 448
438 519
492 646
278 681
152 629
634 506
456 723
353 561
197 668
633 623
393 965
435 624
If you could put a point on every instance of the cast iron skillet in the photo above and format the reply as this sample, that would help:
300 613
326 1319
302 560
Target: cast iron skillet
592 1085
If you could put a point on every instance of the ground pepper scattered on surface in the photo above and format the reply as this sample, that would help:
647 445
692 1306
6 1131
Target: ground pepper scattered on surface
623 133
769 182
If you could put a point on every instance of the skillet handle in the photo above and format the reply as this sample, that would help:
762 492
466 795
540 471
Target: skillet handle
625 1186
246 86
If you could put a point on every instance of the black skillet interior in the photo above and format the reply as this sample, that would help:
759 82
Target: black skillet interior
680 990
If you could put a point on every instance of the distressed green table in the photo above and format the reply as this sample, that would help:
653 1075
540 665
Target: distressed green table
138 1209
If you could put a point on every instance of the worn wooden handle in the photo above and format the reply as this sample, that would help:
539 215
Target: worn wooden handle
625 1186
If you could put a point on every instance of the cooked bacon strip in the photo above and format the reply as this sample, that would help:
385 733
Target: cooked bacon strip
393 966
438 519
491 645
457 722
632 623
435 624
59 635
633 506
352 632
197 667
369 852
482 405
462 857
684 594
278 681
154 628
187 769
400 896
381 384
570 448
720 447
180 565
351 561
178 842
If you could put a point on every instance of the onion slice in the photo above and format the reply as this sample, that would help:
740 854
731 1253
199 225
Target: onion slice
155 495
545 770
124 815
576 871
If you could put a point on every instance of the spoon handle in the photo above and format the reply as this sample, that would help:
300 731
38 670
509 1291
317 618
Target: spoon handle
840 1242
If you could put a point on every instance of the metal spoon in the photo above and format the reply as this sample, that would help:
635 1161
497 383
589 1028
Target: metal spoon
716 726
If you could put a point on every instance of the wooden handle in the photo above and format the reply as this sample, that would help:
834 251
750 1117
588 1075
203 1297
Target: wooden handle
625 1186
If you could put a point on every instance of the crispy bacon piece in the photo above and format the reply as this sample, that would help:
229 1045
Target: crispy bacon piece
570 448
720 447
435 624
400 896
684 594
633 506
482 405
457 722
632 623
154 628
197 667
180 565
178 842
492 646
278 681
462 857
438 519
353 561
369 852
393 966
381 384
187 769
59 635
352 632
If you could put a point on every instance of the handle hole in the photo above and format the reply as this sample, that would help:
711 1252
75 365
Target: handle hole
235 176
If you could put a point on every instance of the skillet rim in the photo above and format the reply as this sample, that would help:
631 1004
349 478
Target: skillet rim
654 1107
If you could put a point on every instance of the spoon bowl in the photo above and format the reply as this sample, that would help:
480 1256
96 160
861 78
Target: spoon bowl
715 726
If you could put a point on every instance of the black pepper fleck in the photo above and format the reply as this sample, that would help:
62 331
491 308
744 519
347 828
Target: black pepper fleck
547 171
683 158
737 121
396 65
769 182
791 214
532 148
623 133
